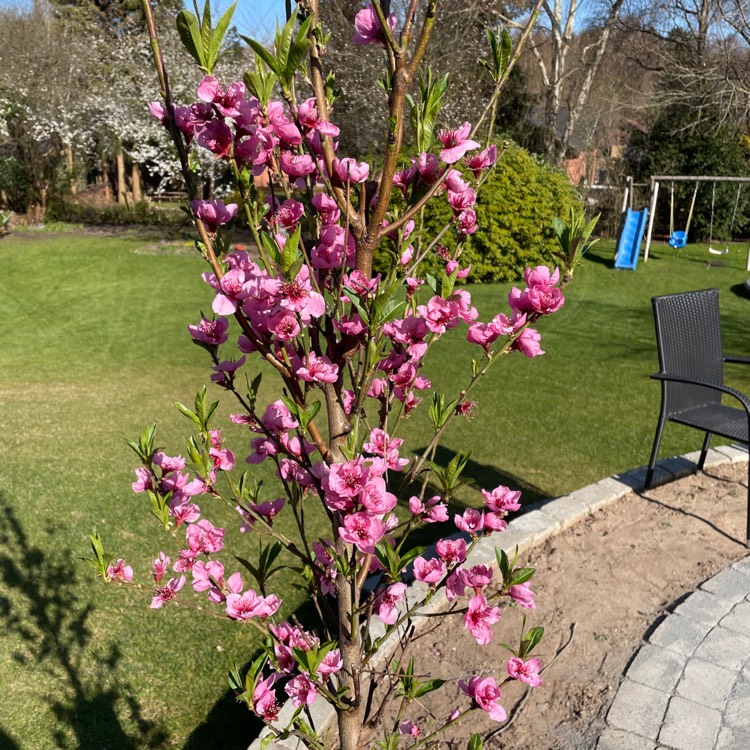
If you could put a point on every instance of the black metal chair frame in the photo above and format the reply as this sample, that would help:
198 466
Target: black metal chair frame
691 362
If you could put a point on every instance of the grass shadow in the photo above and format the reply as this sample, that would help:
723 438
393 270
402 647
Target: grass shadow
41 606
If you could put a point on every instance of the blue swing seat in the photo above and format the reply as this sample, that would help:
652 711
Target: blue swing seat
678 239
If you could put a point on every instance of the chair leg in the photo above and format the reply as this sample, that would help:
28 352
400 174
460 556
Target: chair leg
704 450
747 530
654 452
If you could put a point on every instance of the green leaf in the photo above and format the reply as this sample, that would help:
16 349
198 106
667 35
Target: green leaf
190 34
356 300
531 640
206 32
428 686
189 414
263 54
475 742
520 575
291 253
218 34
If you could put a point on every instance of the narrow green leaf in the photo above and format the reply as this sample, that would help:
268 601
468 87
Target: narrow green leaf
189 31
218 34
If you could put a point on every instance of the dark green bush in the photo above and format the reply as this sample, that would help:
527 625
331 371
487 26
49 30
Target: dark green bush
514 211
142 214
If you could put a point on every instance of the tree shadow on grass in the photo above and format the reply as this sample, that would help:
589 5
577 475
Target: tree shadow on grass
41 606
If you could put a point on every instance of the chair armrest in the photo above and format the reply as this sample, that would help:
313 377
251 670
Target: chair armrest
737 359
741 397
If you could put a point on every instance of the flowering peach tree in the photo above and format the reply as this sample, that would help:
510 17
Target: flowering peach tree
348 348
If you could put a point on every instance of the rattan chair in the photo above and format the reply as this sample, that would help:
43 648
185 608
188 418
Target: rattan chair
691 361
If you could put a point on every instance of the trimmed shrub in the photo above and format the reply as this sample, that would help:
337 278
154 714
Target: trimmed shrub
516 206
141 214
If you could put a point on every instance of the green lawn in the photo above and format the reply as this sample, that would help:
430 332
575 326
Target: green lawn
94 347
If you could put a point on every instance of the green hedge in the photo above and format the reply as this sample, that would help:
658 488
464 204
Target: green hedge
515 209
143 214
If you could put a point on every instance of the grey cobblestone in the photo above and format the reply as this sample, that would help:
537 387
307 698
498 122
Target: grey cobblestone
680 634
705 607
738 619
690 726
730 584
707 684
638 709
732 452
657 667
743 566
615 739
724 648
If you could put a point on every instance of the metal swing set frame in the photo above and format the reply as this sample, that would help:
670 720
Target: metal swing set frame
678 239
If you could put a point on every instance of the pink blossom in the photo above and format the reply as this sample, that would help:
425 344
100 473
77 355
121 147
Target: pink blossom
159 567
204 572
367 27
494 522
429 571
525 671
226 101
456 143
183 512
380 444
528 343
288 214
477 163
144 480
455 585
454 182
301 690
277 417
119 571
265 702
452 551
326 207
523 595
467 222
309 118
429 168
165 594
463 200
482 334
480 618
331 664
477 577
296 165
431 511
502 499
203 536
167 463
375 498
347 479
386 603
404 178
250 604
210 331
363 531
215 136
410 729
350 170
439 314
472 521
485 694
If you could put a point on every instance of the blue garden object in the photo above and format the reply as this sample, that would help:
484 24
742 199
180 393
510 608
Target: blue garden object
629 244
678 239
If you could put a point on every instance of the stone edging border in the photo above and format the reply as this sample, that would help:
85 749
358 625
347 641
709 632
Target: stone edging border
541 521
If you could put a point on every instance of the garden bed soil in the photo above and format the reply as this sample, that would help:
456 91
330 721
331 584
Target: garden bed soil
609 580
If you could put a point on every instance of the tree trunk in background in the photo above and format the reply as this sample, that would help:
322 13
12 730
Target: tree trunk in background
122 187
71 176
135 181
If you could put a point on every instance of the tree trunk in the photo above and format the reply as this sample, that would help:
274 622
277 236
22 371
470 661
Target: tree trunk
135 180
71 173
122 187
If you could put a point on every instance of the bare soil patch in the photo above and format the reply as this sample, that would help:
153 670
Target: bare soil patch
611 579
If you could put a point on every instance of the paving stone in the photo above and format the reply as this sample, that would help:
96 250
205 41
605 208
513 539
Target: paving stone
679 466
738 619
636 478
680 634
736 714
729 584
732 739
707 684
528 530
743 565
616 739
733 452
690 726
639 709
724 648
704 607
657 667
713 458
